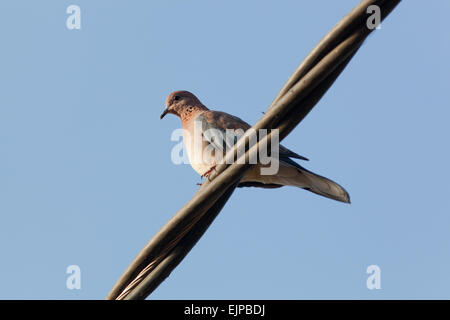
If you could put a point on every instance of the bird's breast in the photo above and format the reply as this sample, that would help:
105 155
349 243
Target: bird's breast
195 147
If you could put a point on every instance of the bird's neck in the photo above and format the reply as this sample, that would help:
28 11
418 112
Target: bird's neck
190 112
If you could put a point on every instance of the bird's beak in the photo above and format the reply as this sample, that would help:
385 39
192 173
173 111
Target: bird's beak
166 111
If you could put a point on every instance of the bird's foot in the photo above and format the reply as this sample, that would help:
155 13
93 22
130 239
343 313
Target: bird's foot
207 173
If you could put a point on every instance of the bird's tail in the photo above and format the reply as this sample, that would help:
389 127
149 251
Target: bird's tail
322 186
292 174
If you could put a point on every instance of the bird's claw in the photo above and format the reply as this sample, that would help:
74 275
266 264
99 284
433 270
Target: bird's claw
207 173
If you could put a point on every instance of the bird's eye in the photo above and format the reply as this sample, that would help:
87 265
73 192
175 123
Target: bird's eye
176 98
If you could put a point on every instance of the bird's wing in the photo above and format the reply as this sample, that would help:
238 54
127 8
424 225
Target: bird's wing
214 126
286 153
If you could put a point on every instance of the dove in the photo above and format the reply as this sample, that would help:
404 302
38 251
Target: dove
191 111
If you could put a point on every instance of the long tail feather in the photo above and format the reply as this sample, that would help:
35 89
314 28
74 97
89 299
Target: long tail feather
325 187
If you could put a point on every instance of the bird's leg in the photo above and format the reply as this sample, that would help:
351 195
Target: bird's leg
207 173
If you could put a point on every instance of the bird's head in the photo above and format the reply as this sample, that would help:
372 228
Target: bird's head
180 102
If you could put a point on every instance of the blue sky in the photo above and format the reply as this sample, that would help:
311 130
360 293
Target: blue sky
85 171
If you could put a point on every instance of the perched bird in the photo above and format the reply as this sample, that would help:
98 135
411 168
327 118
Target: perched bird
190 110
